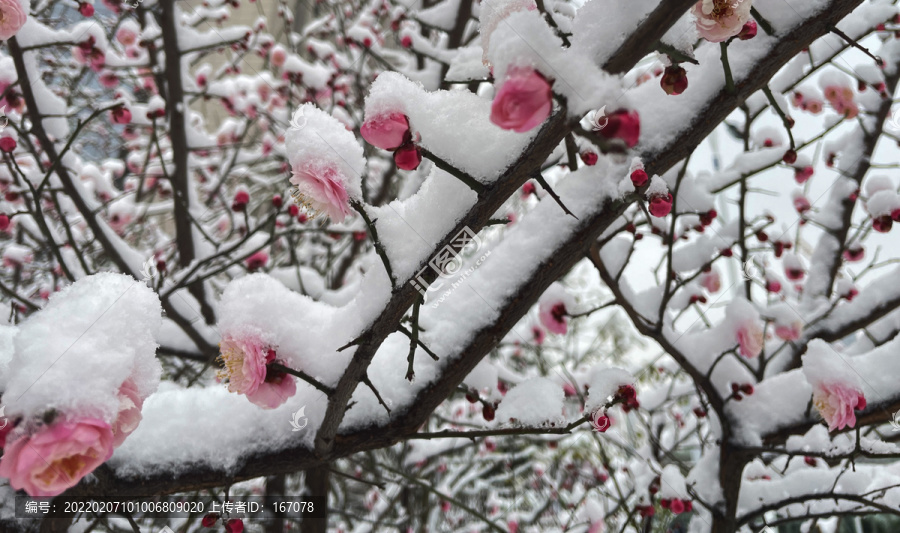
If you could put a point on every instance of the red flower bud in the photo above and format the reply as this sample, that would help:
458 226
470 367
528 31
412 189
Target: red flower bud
674 80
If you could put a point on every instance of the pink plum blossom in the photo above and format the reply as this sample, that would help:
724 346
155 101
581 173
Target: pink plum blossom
719 20
750 339
246 359
57 456
711 281
523 102
789 332
553 316
836 403
126 36
321 189
12 18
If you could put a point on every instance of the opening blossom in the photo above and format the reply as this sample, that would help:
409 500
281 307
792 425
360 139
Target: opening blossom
523 102
12 18
836 403
625 125
600 421
750 339
246 362
321 189
719 20
553 316
57 456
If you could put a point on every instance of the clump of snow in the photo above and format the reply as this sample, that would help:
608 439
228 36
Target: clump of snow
534 402
822 365
73 355
7 334
602 384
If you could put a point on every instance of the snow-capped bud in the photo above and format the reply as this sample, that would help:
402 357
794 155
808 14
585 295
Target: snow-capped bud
406 41
590 158
639 177
661 205
882 224
790 157
488 411
674 80
801 204
854 253
234 525
257 260
4 222
241 198
527 189
277 201
7 144
121 115
803 174
278 56
408 157
86 10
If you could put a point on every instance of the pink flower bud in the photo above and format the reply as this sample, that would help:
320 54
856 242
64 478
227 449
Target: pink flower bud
748 31
660 205
387 132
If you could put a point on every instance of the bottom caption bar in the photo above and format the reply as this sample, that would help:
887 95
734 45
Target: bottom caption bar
252 507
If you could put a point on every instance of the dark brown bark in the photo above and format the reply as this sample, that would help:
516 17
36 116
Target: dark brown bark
175 108
318 483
